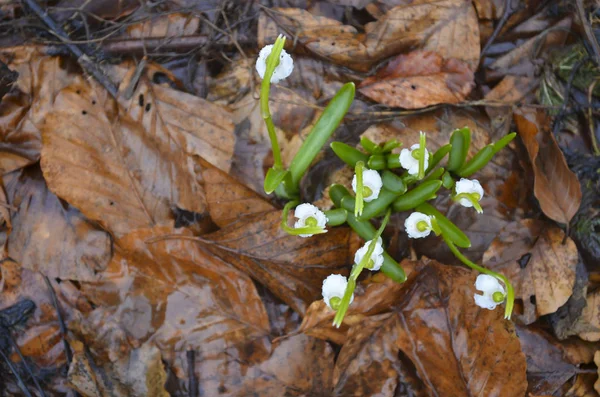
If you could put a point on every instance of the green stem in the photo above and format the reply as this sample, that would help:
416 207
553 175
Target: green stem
510 292
301 230
422 154
358 206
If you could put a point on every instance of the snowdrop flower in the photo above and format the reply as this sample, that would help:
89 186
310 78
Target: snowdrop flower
468 193
333 290
372 184
493 292
309 215
409 158
418 225
376 260
283 70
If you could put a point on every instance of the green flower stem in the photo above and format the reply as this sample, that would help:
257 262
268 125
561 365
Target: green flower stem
460 141
422 144
301 230
448 228
473 200
348 154
272 63
356 270
359 202
510 292
417 196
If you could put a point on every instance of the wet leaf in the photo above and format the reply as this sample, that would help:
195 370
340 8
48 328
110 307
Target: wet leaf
51 236
292 267
456 348
556 186
539 265
420 79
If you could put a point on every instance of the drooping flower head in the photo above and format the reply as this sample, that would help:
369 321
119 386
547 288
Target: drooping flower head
372 184
418 225
283 70
493 292
309 215
333 290
376 260
468 193
409 158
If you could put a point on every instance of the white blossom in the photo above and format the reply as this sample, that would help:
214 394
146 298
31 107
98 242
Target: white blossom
371 180
490 286
418 225
471 187
283 70
334 286
309 215
376 256
409 162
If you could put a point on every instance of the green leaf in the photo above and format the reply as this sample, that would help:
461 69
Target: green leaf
273 179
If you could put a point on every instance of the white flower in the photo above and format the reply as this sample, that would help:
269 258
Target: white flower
372 181
493 292
376 259
470 187
334 286
409 162
283 70
418 225
309 215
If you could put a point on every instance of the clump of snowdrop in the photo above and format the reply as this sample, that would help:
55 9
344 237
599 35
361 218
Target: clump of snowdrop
334 287
409 158
311 216
493 292
468 193
282 71
418 225
372 184
376 260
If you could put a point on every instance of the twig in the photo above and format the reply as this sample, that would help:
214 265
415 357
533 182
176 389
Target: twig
506 14
16 374
177 44
591 119
563 107
61 322
27 368
587 28
192 382
83 59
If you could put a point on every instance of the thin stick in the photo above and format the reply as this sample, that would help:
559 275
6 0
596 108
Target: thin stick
563 107
27 368
589 33
506 14
86 63
14 371
192 382
61 322
591 119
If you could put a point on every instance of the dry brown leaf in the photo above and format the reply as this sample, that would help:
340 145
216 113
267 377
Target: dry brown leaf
136 160
587 327
293 268
540 267
374 296
583 386
556 186
140 374
456 348
164 26
420 79
51 236
597 362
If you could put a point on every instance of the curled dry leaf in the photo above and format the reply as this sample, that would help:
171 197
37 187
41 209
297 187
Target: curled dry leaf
540 267
137 157
556 186
140 374
420 79
51 236
293 268
447 27
454 347
373 296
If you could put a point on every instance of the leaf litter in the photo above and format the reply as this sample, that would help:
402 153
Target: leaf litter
141 257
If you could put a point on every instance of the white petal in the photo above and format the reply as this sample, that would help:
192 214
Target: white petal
360 253
334 286
485 302
469 186
305 210
408 162
410 224
283 70
376 256
378 262
488 284
372 180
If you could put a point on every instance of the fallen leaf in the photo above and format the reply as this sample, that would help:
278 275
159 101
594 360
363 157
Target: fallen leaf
419 79
597 362
556 186
547 368
51 236
456 348
587 326
164 26
531 254
292 267
583 386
